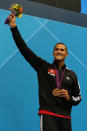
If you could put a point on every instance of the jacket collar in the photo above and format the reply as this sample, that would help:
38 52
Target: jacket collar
55 64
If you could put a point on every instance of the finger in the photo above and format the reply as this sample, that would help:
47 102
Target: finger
64 96
54 93
63 91
12 20
12 16
12 13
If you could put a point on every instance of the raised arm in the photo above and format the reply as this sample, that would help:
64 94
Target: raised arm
35 61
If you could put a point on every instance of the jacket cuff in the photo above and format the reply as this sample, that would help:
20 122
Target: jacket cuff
14 29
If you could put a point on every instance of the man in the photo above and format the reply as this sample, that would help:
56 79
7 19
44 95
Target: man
58 85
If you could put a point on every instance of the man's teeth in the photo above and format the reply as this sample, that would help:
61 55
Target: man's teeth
59 54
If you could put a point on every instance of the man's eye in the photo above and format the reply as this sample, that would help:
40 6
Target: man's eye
56 49
61 49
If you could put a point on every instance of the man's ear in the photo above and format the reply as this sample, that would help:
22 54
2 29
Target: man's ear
67 55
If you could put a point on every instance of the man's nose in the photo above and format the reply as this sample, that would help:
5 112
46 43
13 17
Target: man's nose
59 51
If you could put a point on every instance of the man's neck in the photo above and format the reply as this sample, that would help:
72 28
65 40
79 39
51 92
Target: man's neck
60 64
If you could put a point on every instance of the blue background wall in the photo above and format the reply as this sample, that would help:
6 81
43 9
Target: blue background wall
84 6
18 81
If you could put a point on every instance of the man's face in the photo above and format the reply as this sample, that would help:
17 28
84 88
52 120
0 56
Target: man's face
60 52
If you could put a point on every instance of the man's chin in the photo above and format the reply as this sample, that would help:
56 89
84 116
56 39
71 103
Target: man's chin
59 60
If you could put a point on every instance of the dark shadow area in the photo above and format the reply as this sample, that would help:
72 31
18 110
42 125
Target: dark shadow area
73 5
48 12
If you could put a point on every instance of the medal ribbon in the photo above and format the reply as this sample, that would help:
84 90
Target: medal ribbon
59 82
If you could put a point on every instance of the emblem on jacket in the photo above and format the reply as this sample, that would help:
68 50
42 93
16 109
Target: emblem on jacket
67 77
52 72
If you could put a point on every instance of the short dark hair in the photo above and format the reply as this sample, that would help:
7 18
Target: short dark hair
61 44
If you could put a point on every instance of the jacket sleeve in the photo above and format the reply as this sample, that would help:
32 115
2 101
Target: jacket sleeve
35 61
75 96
